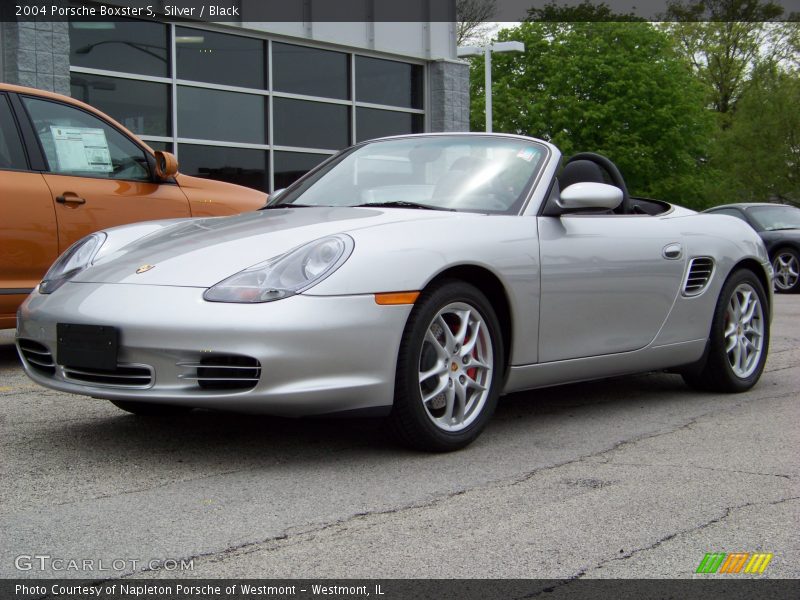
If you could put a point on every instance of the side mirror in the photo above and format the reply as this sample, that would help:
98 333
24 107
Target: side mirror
166 165
590 195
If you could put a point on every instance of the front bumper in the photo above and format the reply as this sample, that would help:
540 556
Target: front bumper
317 354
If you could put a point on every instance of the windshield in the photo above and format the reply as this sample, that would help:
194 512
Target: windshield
772 218
464 173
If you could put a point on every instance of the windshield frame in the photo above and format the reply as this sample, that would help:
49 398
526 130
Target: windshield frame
294 192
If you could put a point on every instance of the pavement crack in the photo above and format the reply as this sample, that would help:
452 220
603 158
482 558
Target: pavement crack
697 467
291 533
727 513
773 370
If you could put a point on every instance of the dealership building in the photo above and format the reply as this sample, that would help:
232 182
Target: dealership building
254 103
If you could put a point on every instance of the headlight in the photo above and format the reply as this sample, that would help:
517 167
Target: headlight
76 258
284 275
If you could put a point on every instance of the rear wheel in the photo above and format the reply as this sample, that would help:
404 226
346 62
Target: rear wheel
739 339
786 264
449 369
148 409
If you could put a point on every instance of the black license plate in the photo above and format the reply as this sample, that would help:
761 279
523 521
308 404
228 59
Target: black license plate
87 346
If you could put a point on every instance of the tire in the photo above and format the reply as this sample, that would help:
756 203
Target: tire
786 264
739 340
451 353
148 409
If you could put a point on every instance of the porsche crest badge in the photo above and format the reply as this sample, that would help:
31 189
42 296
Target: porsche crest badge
144 269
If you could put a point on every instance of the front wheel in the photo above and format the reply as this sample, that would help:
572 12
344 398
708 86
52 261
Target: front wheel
786 264
739 340
449 369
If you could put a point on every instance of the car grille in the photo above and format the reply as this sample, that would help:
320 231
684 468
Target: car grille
223 372
38 357
130 376
700 270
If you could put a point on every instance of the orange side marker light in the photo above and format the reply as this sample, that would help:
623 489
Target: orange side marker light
390 298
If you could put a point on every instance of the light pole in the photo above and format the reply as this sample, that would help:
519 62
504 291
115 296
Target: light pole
487 54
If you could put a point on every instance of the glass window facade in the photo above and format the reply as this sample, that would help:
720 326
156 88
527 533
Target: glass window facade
388 82
374 123
127 46
238 165
291 166
309 71
220 58
311 124
219 115
141 106
241 108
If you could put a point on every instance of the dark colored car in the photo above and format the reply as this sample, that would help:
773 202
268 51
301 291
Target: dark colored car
779 227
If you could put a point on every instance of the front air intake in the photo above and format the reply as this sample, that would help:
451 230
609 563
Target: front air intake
124 376
223 372
698 275
38 357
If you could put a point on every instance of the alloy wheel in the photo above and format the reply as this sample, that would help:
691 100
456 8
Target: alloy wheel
744 331
455 367
787 271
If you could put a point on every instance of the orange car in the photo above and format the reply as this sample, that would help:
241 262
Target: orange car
67 169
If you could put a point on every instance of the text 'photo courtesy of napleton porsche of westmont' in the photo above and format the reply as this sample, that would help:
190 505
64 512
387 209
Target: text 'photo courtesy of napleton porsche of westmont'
468 298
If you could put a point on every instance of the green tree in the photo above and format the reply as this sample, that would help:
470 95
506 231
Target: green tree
725 40
610 87
759 153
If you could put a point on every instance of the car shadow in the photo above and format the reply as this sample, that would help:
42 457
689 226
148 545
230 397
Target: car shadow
205 439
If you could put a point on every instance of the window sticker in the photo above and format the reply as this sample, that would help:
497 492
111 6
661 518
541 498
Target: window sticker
527 154
81 149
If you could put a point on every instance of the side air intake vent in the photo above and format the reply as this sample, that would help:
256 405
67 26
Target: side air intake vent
37 356
700 271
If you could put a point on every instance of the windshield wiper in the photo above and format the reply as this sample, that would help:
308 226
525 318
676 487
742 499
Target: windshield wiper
403 204
287 205
782 229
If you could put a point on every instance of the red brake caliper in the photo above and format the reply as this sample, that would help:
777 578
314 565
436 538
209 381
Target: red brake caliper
473 371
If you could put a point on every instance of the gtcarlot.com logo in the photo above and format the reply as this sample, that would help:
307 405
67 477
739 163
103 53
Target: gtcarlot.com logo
45 562
736 562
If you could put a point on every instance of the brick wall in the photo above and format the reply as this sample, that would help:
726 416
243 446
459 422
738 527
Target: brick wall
449 96
36 54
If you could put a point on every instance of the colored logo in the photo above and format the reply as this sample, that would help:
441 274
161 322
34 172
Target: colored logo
736 562
144 269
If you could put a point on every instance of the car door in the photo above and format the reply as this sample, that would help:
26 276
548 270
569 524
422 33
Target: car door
608 282
28 230
98 177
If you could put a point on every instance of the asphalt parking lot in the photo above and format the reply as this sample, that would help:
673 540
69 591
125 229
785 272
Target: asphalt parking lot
634 477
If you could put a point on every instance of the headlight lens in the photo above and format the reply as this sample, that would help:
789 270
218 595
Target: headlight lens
74 260
284 275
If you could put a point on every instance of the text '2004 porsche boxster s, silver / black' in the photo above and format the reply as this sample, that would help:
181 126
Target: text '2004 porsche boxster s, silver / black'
415 277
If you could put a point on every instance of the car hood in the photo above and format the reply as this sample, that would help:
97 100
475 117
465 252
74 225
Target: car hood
202 252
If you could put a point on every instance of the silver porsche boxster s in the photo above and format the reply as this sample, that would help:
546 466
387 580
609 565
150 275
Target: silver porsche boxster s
416 277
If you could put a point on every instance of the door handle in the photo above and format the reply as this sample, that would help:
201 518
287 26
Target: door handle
672 251
70 198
